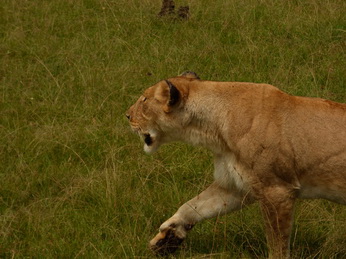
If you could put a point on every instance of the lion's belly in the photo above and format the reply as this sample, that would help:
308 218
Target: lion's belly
330 186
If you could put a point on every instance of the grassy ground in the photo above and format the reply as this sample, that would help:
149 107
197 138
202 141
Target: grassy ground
74 181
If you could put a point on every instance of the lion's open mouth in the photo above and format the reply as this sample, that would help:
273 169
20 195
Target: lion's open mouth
150 140
147 139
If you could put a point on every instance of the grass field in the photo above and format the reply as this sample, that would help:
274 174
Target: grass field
74 181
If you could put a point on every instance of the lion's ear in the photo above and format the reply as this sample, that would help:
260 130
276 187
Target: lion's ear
168 94
190 74
174 94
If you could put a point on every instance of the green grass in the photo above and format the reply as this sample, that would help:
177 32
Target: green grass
75 182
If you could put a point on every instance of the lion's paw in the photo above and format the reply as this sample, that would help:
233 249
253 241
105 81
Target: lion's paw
168 240
165 242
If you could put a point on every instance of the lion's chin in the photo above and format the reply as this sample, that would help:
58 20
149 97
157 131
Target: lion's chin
150 149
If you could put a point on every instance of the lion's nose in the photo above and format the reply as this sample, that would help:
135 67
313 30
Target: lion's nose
128 116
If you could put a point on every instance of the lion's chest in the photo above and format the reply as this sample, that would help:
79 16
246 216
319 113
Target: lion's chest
227 174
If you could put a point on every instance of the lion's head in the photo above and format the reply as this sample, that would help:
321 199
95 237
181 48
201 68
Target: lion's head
158 115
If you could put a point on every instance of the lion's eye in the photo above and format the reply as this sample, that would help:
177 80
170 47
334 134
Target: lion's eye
144 99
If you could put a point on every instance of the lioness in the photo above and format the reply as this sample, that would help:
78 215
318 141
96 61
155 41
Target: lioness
269 147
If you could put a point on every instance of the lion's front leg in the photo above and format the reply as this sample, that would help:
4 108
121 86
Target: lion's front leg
277 204
212 202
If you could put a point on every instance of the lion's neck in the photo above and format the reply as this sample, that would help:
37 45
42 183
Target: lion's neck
206 125
205 135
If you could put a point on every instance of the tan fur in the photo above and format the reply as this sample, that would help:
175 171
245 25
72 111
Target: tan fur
269 147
